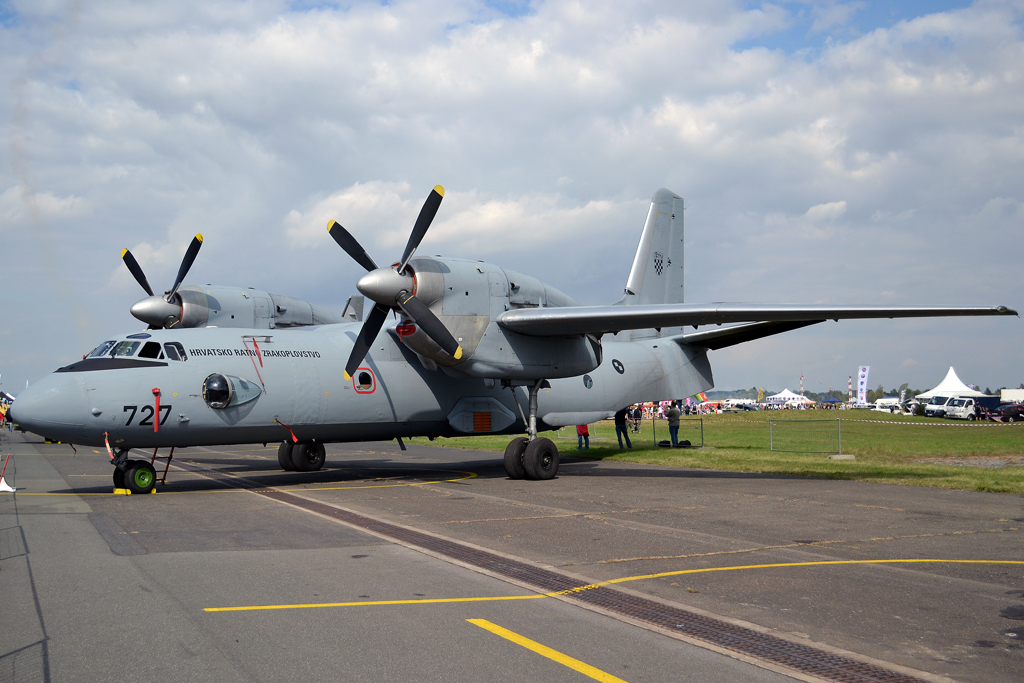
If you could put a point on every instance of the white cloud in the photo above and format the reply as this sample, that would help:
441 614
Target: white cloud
256 123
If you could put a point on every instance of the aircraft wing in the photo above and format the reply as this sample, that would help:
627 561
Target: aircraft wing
597 320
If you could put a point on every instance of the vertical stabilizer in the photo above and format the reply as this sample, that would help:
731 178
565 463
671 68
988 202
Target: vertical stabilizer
657 273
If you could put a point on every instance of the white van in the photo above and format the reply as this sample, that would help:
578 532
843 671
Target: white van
936 407
962 409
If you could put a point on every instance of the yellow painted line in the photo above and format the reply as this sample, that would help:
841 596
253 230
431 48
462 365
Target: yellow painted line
373 603
469 475
545 651
570 591
706 570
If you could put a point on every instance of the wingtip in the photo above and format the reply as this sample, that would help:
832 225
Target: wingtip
438 189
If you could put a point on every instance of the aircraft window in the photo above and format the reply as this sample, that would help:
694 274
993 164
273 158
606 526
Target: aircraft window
150 350
365 381
103 349
125 348
175 351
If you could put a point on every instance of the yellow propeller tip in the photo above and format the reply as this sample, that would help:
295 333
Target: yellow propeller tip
331 224
438 189
458 353
348 377
199 237
123 252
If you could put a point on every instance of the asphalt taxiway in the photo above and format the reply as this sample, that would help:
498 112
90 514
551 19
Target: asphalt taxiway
430 564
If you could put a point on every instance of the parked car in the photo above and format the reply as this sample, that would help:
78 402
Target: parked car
1008 412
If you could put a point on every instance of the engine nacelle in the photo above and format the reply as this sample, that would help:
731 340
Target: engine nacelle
468 297
216 306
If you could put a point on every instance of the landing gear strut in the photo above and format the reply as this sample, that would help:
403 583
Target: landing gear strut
531 457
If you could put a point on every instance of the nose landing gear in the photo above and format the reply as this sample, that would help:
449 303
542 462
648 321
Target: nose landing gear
137 476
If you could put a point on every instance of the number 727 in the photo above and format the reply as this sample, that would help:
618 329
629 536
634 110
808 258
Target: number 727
147 415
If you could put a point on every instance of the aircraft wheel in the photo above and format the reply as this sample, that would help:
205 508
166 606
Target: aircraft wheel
140 477
308 457
118 479
284 456
514 458
541 459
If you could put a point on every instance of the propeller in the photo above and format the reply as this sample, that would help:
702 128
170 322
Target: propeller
161 311
392 287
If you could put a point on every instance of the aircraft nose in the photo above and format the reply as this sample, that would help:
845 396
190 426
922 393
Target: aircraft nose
54 406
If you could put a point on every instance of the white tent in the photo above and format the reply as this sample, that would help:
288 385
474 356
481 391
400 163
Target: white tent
787 396
950 386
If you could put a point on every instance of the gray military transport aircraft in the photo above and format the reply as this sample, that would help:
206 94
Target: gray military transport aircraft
476 349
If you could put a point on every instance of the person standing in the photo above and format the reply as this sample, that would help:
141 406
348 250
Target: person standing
583 437
620 427
673 414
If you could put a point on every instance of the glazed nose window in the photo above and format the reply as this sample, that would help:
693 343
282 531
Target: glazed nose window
217 391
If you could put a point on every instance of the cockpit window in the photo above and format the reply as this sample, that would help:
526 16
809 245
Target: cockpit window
125 348
103 349
150 350
175 351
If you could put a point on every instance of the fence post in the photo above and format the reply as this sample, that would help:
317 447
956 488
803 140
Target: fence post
771 441
840 428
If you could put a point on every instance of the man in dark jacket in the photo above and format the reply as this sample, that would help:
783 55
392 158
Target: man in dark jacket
620 427
673 414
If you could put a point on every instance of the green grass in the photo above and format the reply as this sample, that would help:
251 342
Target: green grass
889 453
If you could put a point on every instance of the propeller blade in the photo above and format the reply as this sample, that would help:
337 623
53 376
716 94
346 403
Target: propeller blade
186 263
136 270
347 242
431 326
423 221
368 332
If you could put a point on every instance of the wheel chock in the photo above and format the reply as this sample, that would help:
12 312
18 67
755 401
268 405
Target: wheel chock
122 492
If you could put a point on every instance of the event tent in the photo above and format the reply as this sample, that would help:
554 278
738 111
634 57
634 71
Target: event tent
787 396
950 386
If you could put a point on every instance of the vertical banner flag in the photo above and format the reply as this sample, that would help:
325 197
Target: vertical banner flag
760 394
862 384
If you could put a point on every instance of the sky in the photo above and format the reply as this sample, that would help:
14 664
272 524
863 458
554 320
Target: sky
828 153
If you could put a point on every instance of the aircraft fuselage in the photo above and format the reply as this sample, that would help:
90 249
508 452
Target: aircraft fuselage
296 378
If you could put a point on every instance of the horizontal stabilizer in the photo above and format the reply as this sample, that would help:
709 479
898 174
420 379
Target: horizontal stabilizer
553 322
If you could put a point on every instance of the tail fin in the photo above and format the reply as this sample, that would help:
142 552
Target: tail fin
657 273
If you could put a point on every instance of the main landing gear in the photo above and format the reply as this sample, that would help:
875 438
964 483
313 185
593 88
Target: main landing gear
138 476
301 457
531 457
